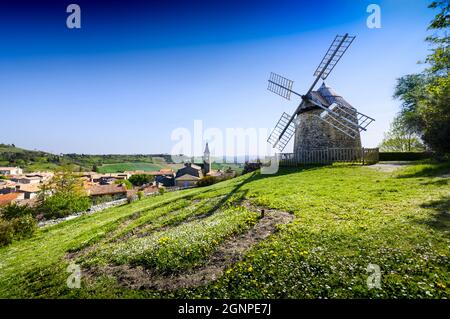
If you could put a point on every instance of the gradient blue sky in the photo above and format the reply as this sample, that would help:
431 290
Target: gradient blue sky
136 71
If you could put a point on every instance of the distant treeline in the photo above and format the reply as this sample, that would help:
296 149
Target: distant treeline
10 155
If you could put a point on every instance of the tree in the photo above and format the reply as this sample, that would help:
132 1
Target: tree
425 108
16 222
14 210
401 139
141 179
206 181
127 184
411 91
63 195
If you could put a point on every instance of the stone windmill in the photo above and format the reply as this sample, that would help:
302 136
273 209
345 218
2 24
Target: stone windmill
323 119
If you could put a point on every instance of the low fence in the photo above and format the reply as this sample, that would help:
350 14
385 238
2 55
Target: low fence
331 155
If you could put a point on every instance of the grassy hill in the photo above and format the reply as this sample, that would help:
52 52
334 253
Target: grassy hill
11 155
322 227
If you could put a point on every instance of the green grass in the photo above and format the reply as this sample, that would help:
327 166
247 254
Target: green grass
180 247
121 167
347 217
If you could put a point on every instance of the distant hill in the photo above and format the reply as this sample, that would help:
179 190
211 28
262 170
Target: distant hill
10 155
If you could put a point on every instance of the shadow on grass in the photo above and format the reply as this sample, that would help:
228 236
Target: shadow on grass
441 217
434 170
439 182
290 170
226 198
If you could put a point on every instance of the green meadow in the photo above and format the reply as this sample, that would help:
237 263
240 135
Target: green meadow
344 217
121 167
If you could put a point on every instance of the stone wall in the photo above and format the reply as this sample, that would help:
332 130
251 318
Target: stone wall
312 133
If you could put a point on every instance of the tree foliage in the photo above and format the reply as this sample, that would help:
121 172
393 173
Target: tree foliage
401 139
141 179
124 182
425 108
16 222
63 195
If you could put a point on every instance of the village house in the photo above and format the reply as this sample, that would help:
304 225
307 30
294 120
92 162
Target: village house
7 186
115 191
27 180
165 176
191 173
152 189
104 179
30 191
188 176
7 199
10 171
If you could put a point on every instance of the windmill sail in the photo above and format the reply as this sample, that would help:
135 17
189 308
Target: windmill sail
282 133
280 85
335 110
341 120
333 55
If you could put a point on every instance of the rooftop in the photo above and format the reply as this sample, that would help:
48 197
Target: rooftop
97 190
8 198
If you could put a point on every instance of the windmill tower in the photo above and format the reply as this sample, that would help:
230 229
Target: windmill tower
323 119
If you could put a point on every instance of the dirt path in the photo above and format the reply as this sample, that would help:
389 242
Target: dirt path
389 167
229 252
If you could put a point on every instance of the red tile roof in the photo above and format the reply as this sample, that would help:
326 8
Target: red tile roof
8 198
97 190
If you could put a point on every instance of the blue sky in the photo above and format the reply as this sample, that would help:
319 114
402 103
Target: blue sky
133 73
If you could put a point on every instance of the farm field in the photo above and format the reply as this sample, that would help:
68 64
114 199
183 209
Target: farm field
121 167
322 227
142 166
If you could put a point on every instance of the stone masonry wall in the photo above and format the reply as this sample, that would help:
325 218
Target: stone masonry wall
312 133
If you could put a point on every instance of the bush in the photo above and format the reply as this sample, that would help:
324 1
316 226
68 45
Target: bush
161 190
97 200
63 196
131 198
14 210
140 195
140 179
16 228
24 227
127 184
6 232
64 204
206 181
404 156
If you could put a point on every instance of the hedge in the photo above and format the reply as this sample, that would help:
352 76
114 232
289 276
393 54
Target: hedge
404 156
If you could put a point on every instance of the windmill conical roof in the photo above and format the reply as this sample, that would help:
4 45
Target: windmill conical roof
331 96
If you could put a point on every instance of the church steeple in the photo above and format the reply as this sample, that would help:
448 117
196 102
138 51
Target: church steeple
206 160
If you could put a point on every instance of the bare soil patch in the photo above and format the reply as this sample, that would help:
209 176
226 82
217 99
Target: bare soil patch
389 167
229 252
